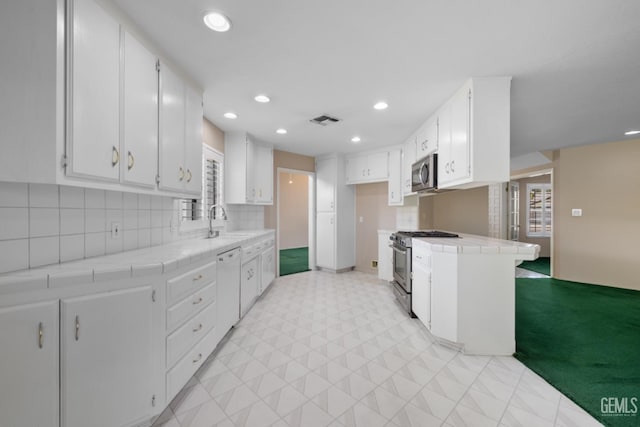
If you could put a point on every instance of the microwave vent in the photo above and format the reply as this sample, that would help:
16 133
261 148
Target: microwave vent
324 120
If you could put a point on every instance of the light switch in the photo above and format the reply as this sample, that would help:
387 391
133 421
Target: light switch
576 212
115 230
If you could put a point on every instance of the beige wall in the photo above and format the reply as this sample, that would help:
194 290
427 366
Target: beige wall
212 136
464 211
371 206
600 246
294 211
544 242
284 159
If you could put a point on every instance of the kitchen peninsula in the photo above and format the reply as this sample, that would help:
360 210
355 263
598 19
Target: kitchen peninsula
464 290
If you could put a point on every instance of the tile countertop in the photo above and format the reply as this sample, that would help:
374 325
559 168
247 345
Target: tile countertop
153 260
472 244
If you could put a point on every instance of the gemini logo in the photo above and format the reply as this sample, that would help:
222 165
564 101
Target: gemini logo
619 406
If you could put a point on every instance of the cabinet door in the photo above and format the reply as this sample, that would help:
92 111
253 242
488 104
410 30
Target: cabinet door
460 110
193 142
326 172
106 358
427 141
172 168
356 168
444 146
408 158
264 174
94 140
395 178
268 268
421 293
249 285
250 171
378 166
140 114
326 240
29 365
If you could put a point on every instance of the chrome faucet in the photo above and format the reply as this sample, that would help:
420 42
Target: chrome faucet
212 210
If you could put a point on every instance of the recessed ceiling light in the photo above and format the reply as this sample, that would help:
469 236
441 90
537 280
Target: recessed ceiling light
217 21
355 139
632 132
381 105
281 131
262 98
231 115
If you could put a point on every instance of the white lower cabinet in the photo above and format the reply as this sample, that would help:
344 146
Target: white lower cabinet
249 285
106 358
29 364
268 267
421 283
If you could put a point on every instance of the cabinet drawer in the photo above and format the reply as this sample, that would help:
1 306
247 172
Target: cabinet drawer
186 308
179 342
187 283
178 376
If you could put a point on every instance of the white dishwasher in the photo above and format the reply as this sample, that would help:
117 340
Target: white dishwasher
228 283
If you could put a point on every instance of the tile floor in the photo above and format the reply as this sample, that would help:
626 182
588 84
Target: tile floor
320 349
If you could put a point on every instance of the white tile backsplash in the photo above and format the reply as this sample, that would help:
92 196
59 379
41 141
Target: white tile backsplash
245 217
14 255
45 224
14 195
15 223
44 251
407 218
43 196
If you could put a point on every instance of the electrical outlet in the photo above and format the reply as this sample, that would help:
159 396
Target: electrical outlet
576 212
374 263
115 230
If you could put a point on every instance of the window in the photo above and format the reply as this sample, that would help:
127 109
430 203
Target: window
198 209
539 210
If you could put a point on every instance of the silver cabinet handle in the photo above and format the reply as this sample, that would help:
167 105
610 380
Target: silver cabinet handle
198 301
40 335
197 359
189 176
77 328
198 277
453 163
132 160
199 327
115 156
368 171
181 173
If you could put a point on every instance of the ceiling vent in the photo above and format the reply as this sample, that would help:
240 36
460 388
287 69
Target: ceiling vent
324 120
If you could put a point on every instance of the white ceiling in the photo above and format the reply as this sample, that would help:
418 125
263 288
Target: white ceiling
575 65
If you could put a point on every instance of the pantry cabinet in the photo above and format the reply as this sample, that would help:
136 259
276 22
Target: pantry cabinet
106 358
29 365
364 168
395 192
335 215
250 180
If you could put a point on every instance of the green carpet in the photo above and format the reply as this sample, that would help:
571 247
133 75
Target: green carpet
541 265
584 340
294 260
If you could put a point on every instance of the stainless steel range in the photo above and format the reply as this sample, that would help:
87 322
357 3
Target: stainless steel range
401 245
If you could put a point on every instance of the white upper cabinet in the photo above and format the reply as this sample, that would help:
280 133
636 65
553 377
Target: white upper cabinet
140 114
180 135
474 139
395 178
427 138
94 85
371 167
250 179
29 365
408 159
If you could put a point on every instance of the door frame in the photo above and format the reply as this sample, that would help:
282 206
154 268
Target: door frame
311 209
534 173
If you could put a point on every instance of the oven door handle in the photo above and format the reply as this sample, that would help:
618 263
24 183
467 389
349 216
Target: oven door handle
398 250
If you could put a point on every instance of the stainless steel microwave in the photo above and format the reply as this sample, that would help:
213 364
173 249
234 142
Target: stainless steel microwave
424 174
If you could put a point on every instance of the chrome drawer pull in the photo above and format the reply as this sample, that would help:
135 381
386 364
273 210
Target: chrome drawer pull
197 359
198 301
77 328
198 328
